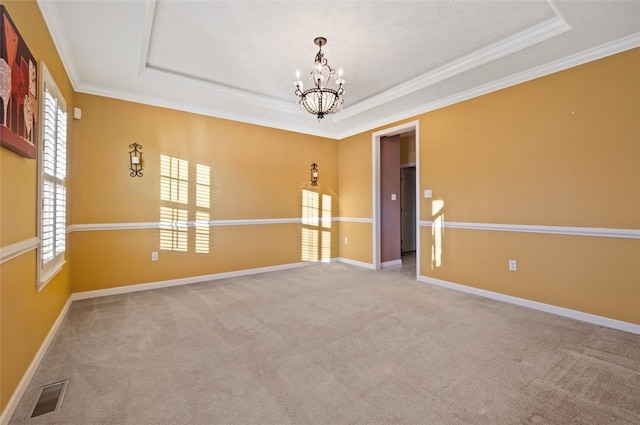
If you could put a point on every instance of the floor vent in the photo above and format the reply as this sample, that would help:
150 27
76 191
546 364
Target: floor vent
50 398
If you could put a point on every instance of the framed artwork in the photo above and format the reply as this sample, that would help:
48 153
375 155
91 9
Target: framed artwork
18 90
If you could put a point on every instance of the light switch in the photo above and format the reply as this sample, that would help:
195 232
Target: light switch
427 193
393 196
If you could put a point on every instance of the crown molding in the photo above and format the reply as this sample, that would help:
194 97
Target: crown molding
519 41
166 76
586 56
49 12
540 32
163 75
149 19
162 102
589 55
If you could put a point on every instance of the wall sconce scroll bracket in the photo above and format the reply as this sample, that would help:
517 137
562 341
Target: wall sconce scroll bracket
135 160
314 174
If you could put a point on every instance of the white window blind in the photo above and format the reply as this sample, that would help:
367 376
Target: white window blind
53 172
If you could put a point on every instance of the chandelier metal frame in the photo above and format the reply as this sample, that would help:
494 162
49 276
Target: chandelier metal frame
320 100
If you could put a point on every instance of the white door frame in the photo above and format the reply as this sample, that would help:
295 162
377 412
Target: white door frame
375 142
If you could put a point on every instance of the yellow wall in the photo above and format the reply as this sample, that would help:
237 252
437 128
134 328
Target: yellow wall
256 173
408 149
355 168
26 316
563 150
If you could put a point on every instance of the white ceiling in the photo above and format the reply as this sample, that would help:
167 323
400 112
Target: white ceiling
237 59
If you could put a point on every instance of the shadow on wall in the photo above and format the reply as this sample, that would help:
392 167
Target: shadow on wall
437 232
316 227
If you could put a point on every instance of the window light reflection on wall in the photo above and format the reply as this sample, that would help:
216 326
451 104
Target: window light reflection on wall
173 229
176 210
174 191
203 203
437 232
316 227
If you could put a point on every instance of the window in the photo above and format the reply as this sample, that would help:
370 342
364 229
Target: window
53 172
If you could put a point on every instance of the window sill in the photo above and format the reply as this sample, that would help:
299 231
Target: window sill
49 275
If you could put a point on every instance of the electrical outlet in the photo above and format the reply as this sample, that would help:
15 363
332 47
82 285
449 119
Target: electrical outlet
513 265
154 256
346 241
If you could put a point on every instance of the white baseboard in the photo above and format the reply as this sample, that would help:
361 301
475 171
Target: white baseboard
354 263
33 367
391 263
548 308
182 281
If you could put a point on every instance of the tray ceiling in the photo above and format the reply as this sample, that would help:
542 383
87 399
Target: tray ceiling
237 59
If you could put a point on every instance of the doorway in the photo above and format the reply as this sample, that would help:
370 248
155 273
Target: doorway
403 129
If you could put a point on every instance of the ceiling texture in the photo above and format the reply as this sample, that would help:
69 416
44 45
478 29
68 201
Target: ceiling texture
237 59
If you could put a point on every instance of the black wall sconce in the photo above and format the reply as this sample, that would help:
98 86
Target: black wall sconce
135 160
314 174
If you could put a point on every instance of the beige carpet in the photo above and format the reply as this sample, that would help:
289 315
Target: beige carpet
332 344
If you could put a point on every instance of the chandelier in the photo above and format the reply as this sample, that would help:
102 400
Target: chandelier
320 100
